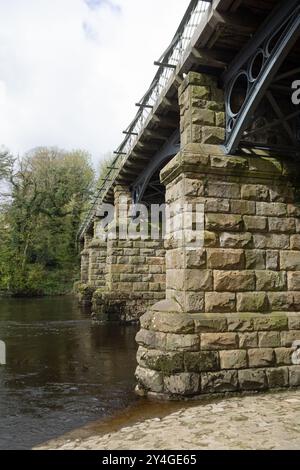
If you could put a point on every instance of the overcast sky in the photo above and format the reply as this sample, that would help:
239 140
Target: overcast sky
71 70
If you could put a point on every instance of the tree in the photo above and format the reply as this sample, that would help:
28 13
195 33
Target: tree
106 163
6 163
50 191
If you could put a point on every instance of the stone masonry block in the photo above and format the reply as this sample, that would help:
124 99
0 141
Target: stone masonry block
216 382
288 337
239 206
224 190
261 357
185 384
271 209
239 323
294 321
194 302
203 117
255 259
233 359
250 379
200 92
270 322
296 301
151 339
210 239
251 302
271 240
269 339
216 205
229 162
294 374
225 259
193 187
174 259
223 222
198 279
285 224
294 281
219 341
161 361
211 324
234 281
295 242
220 302
195 258
202 361
220 119
182 342
255 192
168 322
290 260
272 260
255 224
281 301
150 379
235 240
175 279
283 356
248 340
213 135
146 320
270 280
278 377
282 193
293 210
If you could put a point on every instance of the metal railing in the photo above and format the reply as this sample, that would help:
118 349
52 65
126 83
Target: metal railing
166 71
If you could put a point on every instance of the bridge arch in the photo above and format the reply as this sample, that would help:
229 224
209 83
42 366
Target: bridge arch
149 177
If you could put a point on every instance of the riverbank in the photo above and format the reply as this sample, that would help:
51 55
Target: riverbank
263 421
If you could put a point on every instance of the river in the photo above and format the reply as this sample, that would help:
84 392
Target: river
62 371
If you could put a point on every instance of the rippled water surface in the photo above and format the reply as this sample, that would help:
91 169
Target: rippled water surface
62 371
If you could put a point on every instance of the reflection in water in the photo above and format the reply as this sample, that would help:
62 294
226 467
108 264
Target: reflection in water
62 371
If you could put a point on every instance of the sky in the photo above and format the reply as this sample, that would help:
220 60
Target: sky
72 70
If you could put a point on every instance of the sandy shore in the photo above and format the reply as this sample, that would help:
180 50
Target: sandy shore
270 421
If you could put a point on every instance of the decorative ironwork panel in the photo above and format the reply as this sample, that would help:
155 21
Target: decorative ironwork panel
257 110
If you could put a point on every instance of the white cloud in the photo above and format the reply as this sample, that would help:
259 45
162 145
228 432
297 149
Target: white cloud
71 70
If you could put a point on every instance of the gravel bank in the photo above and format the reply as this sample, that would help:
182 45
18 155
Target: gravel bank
270 421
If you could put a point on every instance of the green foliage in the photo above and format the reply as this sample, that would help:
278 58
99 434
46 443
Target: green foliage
6 163
50 191
106 163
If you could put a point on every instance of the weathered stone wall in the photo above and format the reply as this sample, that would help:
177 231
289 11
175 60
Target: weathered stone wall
135 279
225 324
97 263
93 267
84 266
134 275
188 355
250 258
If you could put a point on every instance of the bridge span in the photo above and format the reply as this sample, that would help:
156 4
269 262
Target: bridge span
217 136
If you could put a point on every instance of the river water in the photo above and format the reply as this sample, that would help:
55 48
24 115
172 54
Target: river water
62 371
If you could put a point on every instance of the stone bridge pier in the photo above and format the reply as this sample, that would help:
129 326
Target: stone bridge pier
121 277
231 311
